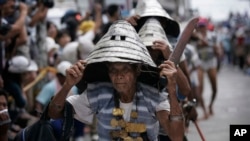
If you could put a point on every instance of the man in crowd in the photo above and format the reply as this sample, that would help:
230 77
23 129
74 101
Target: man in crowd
125 107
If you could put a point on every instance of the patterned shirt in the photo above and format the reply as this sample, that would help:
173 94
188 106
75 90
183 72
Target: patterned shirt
98 99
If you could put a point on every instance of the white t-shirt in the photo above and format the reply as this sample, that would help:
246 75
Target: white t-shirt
127 107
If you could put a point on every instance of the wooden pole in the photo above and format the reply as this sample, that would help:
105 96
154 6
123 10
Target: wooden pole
199 130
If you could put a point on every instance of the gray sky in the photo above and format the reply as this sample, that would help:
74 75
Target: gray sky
219 9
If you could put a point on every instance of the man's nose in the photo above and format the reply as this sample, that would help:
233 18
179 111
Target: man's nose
119 75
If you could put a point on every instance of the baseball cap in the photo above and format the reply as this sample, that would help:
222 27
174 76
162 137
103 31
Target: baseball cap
20 64
62 67
202 22
86 26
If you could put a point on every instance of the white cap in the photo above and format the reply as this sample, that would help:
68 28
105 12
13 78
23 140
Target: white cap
63 66
86 44
20 64
69 52
51 44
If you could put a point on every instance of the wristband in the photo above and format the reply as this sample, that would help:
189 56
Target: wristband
176 117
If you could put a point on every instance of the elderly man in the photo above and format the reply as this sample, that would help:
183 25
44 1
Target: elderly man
120 77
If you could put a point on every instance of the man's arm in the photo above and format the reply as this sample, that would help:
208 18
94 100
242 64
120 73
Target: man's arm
73 75
22 37
183 83
175 127
182 80
173 121
98 17
40 15
19 24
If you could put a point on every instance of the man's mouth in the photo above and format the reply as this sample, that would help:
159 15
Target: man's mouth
120 83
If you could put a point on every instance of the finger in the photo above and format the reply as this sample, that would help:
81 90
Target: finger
72 72
157 46
167 66
133 22
166 72
166 62
169 62
77 70
160 42
130 20
163 73
83 62
80 66
137 17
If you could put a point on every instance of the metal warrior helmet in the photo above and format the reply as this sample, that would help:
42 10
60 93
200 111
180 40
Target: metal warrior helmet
120 44
152 8
151 31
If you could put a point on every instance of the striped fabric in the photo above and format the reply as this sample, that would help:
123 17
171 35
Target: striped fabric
101 99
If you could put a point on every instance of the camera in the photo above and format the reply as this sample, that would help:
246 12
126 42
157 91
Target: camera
47 3
4 28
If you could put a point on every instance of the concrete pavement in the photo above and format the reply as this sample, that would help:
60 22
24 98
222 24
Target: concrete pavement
231 106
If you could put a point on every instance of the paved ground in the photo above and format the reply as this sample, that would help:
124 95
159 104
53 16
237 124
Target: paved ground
231 106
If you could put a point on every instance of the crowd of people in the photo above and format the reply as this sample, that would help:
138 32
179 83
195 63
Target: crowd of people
116 75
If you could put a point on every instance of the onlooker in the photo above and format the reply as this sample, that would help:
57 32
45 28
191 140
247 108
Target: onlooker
4 116
49 90
62 39
52 49
86 44
53 86
51 30
207 51
19 72
113 13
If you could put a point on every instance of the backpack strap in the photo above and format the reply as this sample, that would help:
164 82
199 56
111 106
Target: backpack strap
68 121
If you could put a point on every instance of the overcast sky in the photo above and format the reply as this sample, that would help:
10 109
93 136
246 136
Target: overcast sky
219 9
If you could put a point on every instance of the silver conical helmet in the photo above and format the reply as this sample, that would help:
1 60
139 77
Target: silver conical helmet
152 8
120 44
151 31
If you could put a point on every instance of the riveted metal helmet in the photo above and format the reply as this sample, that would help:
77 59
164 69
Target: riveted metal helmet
152 8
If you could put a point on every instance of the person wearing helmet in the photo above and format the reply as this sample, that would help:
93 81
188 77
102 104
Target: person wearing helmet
120 77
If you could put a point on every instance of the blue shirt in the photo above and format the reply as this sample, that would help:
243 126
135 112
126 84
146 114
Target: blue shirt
49 90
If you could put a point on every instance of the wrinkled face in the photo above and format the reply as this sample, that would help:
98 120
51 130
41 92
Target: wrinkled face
123 77
3 102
